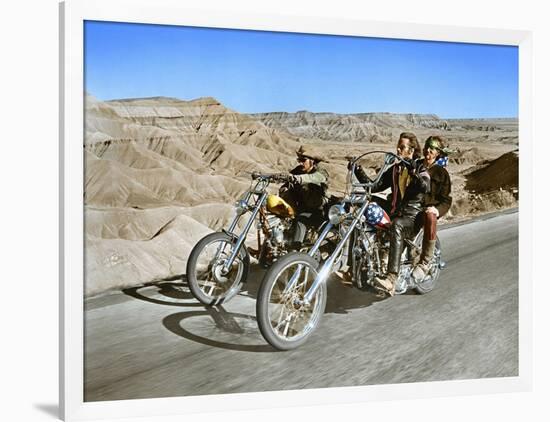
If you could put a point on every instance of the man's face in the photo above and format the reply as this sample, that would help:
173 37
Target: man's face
404 149
306 163
430 155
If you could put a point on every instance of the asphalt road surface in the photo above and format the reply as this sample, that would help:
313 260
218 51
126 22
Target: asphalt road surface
157 341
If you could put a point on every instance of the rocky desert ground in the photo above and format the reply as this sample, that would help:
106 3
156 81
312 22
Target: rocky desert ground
162 172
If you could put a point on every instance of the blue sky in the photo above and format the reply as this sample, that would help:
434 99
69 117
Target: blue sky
254 71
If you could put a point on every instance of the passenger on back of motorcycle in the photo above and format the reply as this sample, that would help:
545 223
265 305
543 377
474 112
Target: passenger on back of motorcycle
304 189
437 202
409 181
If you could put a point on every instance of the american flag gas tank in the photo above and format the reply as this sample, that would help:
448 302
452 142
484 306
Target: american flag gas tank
376 216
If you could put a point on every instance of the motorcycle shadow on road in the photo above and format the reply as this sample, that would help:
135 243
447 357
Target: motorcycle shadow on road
211 326
174 289
216 327
342 297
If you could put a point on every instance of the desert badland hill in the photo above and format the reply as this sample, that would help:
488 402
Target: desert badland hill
161 172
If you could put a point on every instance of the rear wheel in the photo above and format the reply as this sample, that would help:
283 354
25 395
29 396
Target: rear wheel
285 321
208 281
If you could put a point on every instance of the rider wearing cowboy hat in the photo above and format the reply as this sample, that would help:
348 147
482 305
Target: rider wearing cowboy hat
305 190
306 184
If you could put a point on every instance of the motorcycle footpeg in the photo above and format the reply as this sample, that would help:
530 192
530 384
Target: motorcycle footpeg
442 265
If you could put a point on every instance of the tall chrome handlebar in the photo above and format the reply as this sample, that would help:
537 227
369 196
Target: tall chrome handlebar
390 159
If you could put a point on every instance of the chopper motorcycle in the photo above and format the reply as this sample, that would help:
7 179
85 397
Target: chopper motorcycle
292 297
219 263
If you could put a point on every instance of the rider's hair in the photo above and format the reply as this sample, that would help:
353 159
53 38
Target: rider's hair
435 142
413 143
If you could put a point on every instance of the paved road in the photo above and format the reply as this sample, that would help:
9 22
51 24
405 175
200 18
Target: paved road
157 341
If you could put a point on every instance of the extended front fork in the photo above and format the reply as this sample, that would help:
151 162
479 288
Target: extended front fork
314 249
327 266
240 240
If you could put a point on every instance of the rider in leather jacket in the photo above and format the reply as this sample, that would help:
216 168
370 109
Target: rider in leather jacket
436 203
409 182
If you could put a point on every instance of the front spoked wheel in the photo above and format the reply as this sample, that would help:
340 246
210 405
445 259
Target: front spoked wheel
285 321
209 283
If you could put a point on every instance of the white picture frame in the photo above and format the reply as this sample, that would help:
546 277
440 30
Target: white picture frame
73 13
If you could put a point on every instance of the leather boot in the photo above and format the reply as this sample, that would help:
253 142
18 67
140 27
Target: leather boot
421 270
386 283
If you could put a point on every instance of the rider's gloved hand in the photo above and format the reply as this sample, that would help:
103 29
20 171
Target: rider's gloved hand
290 178
362 175
350 162
285 178
420 178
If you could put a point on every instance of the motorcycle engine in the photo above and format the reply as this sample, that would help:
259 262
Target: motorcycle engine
275 243
276 230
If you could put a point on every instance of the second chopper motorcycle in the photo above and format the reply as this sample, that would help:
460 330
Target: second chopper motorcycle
219 263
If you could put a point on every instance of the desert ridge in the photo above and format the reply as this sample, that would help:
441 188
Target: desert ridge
160 172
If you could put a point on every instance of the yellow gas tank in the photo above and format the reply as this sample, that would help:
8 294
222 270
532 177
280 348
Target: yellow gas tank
278 206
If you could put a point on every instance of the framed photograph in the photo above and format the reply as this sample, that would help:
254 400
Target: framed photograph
265 211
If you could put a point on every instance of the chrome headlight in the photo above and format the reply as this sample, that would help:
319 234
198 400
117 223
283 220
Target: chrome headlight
336 214
241 206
